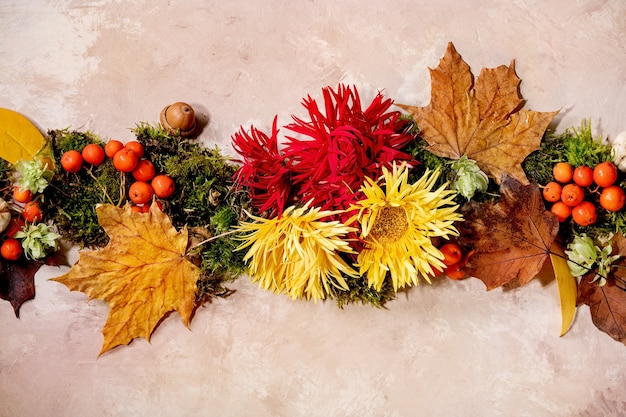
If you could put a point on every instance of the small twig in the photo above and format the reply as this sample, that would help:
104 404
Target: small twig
230 232
122 189
104 190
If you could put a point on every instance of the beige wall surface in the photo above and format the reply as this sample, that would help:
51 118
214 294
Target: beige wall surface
449 349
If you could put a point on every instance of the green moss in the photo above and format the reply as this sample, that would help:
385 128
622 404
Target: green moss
64 140
581 148
361 292
427 161
538 165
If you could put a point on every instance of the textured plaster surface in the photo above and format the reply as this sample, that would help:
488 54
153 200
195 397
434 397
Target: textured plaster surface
450 349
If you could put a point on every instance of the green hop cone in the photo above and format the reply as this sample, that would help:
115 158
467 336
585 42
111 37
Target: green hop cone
32 175
38 240
584 256
469 177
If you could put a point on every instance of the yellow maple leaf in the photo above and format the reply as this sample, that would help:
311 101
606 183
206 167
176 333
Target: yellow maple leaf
143 273
484 121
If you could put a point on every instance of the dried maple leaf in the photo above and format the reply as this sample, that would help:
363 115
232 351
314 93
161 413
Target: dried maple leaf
17 279
618 242
143 273
17 282
483 121
511 238
607 303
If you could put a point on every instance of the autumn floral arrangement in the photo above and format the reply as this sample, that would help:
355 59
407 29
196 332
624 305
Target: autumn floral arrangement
353 203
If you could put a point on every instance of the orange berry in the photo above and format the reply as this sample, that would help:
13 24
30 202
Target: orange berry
72 161
163 186
605 174
583 176
144 171
32 212
572 195
140 192
552 191
22 195
15 225
561 210
112 147
11 249
452 253
563 172
93 154
584 214
612 198
125 160
135 147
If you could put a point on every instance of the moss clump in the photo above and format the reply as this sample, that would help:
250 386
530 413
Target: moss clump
361 292
538 165
581 148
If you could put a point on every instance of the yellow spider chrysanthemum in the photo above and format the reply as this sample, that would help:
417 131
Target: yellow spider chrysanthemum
297 253
397 225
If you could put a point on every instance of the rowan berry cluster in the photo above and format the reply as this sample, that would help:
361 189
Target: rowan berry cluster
126 158
576 192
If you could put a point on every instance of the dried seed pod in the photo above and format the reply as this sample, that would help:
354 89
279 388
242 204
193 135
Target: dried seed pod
179 118
5 215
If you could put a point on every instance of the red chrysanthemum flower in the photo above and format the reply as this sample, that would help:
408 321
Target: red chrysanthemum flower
263 170
341 145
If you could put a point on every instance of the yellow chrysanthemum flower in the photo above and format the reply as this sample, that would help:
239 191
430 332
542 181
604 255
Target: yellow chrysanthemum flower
297 253
397 225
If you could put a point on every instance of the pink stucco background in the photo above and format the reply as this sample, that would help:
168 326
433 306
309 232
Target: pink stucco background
449 349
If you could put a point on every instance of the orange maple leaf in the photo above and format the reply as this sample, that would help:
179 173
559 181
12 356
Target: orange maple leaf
483 121
143 273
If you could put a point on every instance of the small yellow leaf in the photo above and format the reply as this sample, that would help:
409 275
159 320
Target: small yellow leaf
19 138
142 273
567 285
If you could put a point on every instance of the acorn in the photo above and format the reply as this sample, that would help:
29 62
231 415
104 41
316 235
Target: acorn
179 118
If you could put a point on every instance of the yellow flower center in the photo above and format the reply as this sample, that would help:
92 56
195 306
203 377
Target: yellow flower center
390 225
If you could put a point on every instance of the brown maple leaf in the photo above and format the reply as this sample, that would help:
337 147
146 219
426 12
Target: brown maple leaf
17 282
618 243
17 279
607 303
143 273
511 238
484 121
